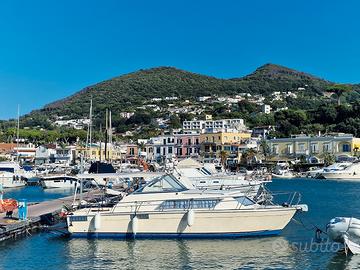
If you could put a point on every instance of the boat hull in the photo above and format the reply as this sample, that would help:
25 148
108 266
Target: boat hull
10 182
177 235
342 176
207 224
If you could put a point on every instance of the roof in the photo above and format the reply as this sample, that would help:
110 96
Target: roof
189 163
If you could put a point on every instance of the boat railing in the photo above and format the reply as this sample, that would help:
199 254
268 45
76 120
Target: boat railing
284 198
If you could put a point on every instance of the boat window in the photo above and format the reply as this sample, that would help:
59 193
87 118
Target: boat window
244 200
189 204
205 171
165 183
11 170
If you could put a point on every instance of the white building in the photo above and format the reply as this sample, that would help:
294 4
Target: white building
214 125
126 115
266 108
202 99
161 147
73 123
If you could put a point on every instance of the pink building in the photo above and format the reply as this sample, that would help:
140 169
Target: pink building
187 145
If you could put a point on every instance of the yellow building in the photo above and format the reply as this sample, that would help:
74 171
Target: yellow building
213 144
94 153
301 145
224 137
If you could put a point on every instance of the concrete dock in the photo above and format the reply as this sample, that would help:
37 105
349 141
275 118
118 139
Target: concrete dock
38 215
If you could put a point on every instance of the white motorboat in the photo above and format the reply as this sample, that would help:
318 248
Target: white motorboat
15 169
10 180
316 173
208 177
116 179
350 172
170 207
59 181
345 230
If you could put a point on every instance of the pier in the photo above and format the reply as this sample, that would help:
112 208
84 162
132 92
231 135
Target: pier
38 215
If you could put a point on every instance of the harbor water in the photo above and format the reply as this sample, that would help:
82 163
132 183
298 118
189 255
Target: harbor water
295 248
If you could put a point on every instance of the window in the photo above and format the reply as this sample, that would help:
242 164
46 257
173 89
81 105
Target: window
301 147
289 148
189 204
170 150
346 148
314 148
245 201
197 141
189 141
326 147
165 183
275 149
158 150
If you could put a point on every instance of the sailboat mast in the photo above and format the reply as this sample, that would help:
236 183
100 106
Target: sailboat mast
88 144
106 132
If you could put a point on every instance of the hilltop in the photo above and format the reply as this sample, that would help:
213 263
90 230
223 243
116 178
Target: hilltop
126 91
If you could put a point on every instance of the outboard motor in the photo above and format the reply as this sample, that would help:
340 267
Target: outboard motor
340 226
345 230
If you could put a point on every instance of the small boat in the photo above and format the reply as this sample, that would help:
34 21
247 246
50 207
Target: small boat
282 171
316 172
169 207
345 230
10 180
59 181
350 172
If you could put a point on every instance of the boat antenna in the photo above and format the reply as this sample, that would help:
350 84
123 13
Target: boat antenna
18 133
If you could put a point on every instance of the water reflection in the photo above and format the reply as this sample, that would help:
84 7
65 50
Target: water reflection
180 254
340 261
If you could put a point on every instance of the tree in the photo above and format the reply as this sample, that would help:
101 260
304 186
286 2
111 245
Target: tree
339 90
223 158
328 159
265 148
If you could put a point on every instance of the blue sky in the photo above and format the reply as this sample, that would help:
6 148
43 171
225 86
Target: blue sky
51 49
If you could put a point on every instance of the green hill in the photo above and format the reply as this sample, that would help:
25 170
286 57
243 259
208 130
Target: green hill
128 91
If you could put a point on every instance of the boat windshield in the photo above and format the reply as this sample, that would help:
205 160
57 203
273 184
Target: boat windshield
166 183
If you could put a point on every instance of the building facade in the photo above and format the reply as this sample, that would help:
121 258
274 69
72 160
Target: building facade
214 125
215 146
302 145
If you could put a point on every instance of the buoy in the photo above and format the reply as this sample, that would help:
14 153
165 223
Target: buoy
97 221
134 225
190 217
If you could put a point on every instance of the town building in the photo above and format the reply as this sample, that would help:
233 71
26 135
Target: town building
214 125
339 145
265 108
160 148
187 144
215 145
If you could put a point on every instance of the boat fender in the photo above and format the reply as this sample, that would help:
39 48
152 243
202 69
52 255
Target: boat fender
97 221
134 225
190 217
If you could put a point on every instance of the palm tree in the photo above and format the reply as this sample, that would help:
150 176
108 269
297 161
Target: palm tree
249 155
265 149
223 158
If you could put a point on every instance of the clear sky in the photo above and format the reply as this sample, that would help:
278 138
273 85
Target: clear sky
50 49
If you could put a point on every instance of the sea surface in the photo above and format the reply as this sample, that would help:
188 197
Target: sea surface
295 248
